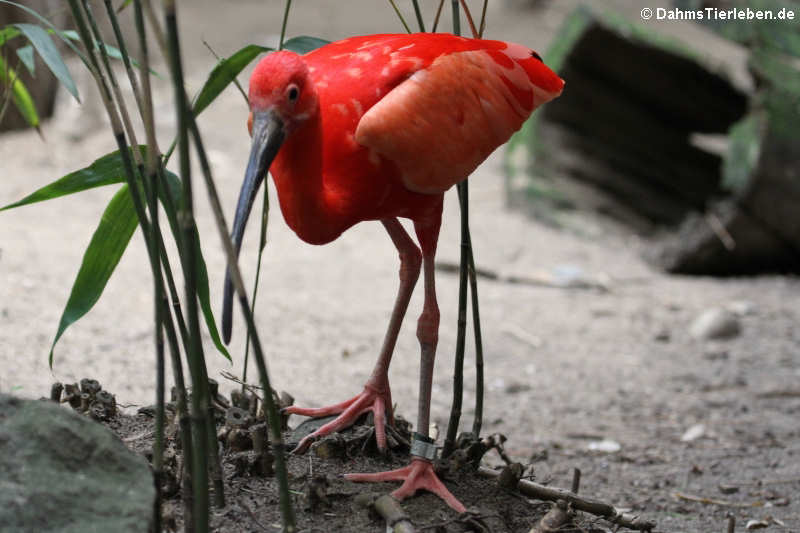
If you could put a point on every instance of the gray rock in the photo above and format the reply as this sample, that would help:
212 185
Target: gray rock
63 472
715 323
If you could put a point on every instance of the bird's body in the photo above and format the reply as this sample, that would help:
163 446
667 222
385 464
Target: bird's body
345 144
376 128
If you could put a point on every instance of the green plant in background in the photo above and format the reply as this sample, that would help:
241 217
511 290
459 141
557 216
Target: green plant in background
146 183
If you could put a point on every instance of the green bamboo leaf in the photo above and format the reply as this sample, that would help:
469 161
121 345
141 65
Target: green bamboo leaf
49 24
303 44
224 73
108 170
104 171
40 40
112 51
25 55
19 94
108 243
173 185
8 33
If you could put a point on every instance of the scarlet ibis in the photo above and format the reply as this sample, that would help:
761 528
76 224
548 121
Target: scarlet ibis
375 128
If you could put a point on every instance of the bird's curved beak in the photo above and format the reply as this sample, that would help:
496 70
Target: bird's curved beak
268 133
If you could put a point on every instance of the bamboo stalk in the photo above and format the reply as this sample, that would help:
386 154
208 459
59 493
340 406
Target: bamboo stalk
285 21
466 271
469 19
200 399
458 371
112 16
117 93
159 296
418 13
477 422
262 244
184 424
400 16
456 17
438 14
206 410
482 25
130 176
287 512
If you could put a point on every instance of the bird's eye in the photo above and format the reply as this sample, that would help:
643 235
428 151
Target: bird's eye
293 93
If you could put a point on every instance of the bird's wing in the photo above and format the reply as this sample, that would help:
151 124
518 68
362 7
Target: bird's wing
440 123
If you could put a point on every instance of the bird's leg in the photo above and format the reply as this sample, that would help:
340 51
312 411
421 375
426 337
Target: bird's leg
419 475
376 396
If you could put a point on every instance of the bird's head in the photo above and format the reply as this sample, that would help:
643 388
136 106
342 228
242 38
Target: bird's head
282 97
281 88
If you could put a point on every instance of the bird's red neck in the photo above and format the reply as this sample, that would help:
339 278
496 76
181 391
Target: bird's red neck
297 172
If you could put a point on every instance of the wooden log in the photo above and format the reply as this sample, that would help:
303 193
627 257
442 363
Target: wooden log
761 172
624 122
619 142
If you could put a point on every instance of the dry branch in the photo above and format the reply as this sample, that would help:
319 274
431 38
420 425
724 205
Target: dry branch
392 512
588 505
714 501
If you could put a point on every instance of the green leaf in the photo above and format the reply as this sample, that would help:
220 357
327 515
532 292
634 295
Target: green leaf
25 55
19 94
224 73
112 51
108 243
104 171
8 33
50 54
173 185
49 24
123 5
304 44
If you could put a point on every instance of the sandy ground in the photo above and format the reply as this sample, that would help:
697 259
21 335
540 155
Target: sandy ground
561 363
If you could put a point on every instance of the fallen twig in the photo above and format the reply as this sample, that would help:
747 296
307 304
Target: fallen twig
253 516
762 482
589 505
713 501
253 389
779 393
471 519
576 480
139 436
392 512
539 279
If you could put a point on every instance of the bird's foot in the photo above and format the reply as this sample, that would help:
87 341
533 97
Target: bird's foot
370 399
419 475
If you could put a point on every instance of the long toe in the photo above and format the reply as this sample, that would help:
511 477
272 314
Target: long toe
419 475
376 477
348 411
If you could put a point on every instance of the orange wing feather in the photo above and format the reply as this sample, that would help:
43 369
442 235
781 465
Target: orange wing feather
440 123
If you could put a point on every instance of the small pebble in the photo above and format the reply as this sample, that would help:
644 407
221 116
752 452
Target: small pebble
693 433
662 335
605 445
715 323
741 307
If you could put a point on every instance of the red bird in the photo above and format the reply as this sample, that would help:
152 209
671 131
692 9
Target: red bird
376 128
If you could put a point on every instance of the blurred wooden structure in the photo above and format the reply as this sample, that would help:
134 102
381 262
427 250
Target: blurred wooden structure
620 142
